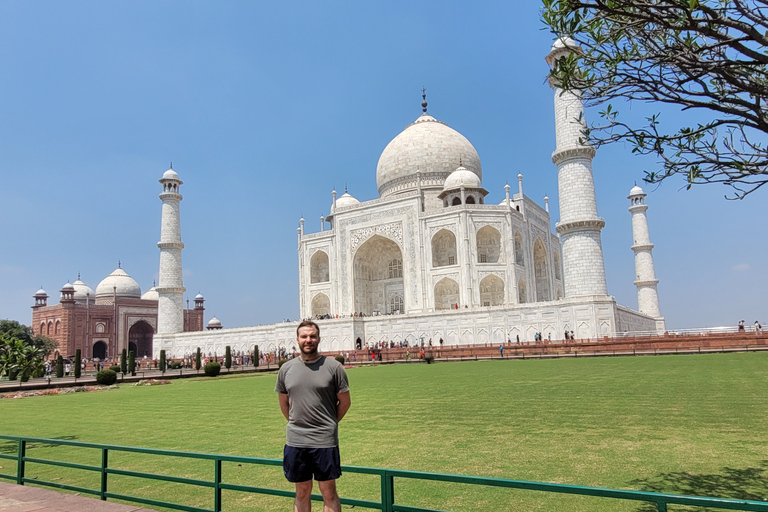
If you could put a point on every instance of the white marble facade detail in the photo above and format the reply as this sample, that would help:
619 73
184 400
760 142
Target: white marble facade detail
393 230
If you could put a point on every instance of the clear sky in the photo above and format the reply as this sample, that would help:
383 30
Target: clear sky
264 108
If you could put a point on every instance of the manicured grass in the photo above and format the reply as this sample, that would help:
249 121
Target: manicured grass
686 424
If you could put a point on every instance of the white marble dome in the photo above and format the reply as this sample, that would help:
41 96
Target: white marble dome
68 287
426 145
636 191
346 200
123 284
462 177
83 292
214 322
151 294
41 292
170 174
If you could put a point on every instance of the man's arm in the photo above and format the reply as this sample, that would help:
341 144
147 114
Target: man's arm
284 405
344 402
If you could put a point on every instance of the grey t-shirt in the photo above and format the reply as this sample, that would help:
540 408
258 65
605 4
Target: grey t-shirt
312 390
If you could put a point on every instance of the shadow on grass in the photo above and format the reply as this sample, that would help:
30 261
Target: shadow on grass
740 484
12 447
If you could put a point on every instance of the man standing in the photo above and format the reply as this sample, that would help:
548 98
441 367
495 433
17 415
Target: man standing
313 391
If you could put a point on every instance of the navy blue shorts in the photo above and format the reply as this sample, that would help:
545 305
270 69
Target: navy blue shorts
302 464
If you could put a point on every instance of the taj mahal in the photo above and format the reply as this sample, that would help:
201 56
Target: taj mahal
429 259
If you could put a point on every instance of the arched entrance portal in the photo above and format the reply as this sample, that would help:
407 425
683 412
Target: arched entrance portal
378 268
100 350
140 339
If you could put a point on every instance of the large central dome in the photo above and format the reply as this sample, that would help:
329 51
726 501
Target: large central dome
426 145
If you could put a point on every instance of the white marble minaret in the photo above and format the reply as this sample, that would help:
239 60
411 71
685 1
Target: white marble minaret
579 226
170 304
647 294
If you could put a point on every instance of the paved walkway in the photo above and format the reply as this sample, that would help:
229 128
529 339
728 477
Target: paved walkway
23 498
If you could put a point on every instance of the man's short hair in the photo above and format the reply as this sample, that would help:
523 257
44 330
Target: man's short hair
308 323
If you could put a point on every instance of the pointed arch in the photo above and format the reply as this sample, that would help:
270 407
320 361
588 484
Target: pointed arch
446 294
541 271
519 249
491 291
443 248
319 268
378 273
522 293
321 305
488 245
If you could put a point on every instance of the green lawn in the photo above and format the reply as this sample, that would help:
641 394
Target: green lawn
693 424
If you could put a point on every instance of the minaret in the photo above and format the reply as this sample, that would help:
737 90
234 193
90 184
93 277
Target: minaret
647 295
170 303
579 226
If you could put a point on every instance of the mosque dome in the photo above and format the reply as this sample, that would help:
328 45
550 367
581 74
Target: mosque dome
564 42
83 292
151 294
121 283
41 292
346 200
462 177
636 191
426 145
199 296
68 287
214 322
170 174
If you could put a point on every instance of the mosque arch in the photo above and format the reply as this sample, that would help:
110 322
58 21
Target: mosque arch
50 328
396 304
140 338
42 328
446 294
470 200
319 268
99 350
378 274
491 291
541 271
519 249
522 293
556 258
443 248
488 245
57 327
100 327
321 305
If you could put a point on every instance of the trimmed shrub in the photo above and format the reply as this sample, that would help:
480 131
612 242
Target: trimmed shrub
38 372
106 377
132 362
255 355
212 369
13 373
175 365
124 362
198 362
340 358
115 368
228 357
281 363
78 363
59 367
162 361
429 359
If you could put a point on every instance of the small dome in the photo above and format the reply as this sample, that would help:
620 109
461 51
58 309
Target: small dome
214 322
170 174
120 283
346 200
151 294
68 287
82 291
41 292
426 145
636 191
199 296
564 42
462 177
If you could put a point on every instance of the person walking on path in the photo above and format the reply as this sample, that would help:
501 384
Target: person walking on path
313 392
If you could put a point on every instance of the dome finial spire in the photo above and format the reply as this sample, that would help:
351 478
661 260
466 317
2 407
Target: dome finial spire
424 99
171 164
118 264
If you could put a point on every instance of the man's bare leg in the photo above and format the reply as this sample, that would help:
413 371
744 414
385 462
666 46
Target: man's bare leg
303 501
331 501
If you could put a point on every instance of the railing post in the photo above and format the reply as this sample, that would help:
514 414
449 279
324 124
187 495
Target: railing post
104 459
662 506
217 489
20 462
387 492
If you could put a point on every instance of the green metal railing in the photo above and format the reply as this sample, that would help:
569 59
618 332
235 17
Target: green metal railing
387 476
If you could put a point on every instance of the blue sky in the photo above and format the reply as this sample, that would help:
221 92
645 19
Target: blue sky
264 108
